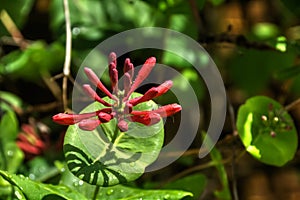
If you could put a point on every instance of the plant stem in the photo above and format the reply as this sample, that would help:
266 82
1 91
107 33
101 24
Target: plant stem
292 105
2 153
67 63
97 189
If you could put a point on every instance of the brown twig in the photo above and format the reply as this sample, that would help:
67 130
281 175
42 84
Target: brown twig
13 30
239 40
292 105
66 74
194 169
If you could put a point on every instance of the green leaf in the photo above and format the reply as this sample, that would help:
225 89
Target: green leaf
267 131
8 126
195 184
10 155
107 156
121 192
10 99
30 64
36 190
126 193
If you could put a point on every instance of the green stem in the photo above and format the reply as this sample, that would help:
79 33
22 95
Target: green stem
97 189
2 153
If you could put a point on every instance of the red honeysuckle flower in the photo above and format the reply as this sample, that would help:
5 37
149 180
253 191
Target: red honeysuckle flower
30 142
122 106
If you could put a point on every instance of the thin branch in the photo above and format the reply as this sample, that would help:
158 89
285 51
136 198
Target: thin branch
53 86
67 63
232 117
233 171
13 29
239 40
186 153
292 105
194 169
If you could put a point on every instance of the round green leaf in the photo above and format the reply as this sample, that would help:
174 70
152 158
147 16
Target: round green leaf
267 131
107 156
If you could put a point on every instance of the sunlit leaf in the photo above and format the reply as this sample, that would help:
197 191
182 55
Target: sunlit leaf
267 131
36 190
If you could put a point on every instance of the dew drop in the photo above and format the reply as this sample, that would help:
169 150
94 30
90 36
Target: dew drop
22 176
132 164
80 182
76 31
32 176
109 192
76 183
10 153
18 195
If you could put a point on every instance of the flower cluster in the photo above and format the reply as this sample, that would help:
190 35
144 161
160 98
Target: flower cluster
122 105
32 143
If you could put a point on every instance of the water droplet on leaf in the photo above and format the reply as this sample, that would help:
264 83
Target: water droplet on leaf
109 192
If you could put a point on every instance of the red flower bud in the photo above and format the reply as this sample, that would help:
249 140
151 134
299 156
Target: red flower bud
96 81
28 148
89 124
123 125
163 111
128 68
113 74
104 117
168 110
142 75
152 93
91 93
147 119
112 58
70 119
127 83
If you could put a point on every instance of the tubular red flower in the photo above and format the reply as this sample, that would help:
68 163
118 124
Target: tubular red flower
152 93
163 111
70 119
96 81
148 119
28 148
128 68
142 74
89 124
113 75
91 93
127 83
168 110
